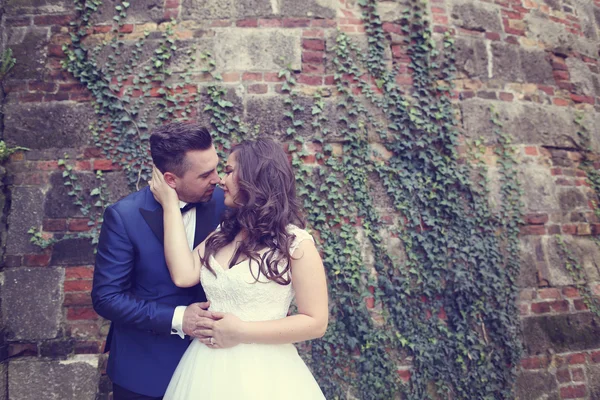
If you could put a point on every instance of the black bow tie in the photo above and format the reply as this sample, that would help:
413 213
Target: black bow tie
189 206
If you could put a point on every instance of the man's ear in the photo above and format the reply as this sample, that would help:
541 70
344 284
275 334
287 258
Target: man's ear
171 179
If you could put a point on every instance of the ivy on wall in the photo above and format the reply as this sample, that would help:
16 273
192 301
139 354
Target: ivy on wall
443 272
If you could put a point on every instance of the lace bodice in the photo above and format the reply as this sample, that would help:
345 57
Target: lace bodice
236 291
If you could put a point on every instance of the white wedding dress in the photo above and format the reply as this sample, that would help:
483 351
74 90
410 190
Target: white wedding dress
246 371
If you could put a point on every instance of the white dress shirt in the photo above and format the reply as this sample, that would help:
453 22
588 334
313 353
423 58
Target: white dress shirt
189 223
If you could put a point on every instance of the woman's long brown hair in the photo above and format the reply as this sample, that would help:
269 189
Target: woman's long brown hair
268 204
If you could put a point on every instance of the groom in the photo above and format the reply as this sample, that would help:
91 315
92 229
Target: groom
132 286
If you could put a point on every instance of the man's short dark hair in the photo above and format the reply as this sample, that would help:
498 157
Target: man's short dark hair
170 142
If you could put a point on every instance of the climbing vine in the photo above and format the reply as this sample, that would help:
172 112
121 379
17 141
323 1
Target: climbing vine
439 290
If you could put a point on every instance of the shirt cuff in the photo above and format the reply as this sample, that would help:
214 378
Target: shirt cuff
177 321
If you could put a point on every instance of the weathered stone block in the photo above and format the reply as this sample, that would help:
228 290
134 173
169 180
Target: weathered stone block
536 385
226 9
3 381
571 199
505 62
73 379
540 190
138 12
530 248
309 8
267 113
26 212
584 250
561 333
72 252
527 123
27 316
19 7
593 375
472 58
391 11
47 125
556 37
535 67
58 203
476 17
29 46
264 49
581 77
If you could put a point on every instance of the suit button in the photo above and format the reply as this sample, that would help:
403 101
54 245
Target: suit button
173 330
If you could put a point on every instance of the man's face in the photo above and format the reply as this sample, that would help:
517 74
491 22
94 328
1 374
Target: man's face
199 181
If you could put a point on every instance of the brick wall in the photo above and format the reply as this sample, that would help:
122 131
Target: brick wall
536 62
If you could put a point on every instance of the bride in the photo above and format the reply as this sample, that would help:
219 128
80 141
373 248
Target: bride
251 268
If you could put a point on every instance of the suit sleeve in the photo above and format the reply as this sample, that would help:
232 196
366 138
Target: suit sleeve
111 291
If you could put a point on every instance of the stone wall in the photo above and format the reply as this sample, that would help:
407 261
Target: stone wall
534 61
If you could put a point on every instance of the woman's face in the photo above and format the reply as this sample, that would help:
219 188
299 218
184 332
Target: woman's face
229 182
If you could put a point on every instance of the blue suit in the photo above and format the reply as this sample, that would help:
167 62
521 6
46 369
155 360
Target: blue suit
133 289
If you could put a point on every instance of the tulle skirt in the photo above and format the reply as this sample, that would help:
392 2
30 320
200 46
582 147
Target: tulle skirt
243 372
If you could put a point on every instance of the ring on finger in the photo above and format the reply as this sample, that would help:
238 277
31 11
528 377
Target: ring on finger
211 341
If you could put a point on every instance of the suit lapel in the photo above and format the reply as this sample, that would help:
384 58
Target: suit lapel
205 213
152 213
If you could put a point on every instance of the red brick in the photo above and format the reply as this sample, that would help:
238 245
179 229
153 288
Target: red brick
531 150
270 23
46 165
296 23
83 165
595 229
565 85
323 23
313 69
492 36
22 349
546 89
404 374
273 77
252 76
440 19
348 28
570 292
80 96
52 19
259 88
561 75
329 80
313 44
126 28
563 375
87 347
31 97
18 21
511 40
578 358
80 313
573 392
104 165
313 33
595 357
171 13
55 50
569 229
310 79
531 363
78 299
540 308
578 375
313 56
370 302
79 273
55 225
78 286
83 329
580 305
578 98
15 86
549 293
247 23
220 23
102 28
504 96
72 87
231 77
36 260
536 219
556 171
392 28
559 306
533 230
171 3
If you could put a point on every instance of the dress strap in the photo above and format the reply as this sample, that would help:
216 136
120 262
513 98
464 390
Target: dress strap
301 235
